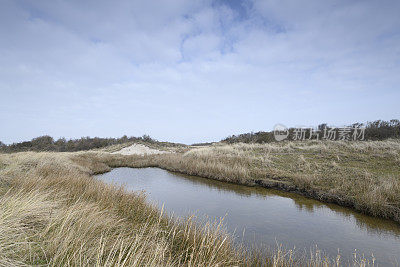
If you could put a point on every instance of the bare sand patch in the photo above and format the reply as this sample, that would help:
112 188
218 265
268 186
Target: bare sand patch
139 149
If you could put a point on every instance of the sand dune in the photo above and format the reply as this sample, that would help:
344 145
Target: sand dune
138 149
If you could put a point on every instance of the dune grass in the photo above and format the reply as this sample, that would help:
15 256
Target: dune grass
54 213
362 175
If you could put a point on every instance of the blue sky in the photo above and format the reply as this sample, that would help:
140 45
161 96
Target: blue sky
194 71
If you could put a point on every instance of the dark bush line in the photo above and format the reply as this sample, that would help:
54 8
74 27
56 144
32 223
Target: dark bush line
47 143
376 130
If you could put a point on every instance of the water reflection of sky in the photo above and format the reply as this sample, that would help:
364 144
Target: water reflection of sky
268 216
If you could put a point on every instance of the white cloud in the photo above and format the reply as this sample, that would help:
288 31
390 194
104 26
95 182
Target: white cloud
204 67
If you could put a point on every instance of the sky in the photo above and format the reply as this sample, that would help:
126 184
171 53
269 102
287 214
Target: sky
194 71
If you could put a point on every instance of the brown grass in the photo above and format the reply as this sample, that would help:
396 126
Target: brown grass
362 175
54 213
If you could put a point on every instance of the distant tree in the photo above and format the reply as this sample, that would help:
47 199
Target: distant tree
124 139
259 137
61 144
47 143
322 126
376 130
147 138
43 143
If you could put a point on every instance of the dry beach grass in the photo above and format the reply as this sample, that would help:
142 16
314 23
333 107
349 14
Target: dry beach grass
362 175
53 212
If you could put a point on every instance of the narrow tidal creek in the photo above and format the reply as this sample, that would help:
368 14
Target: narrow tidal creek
265 216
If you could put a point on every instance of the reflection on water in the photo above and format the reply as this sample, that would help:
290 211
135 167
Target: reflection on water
268 216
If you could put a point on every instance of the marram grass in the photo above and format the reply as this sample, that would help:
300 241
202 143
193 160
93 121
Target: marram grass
54 213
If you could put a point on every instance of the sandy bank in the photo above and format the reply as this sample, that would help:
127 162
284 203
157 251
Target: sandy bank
138 149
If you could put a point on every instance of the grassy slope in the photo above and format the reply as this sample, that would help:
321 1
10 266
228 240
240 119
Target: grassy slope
361 175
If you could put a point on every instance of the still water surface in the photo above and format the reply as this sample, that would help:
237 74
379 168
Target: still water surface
268 216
